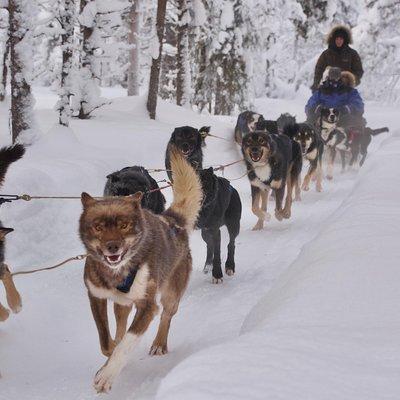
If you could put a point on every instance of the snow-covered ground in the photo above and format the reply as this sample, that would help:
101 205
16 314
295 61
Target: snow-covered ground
312 312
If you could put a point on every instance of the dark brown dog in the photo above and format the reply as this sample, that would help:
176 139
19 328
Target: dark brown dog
134 255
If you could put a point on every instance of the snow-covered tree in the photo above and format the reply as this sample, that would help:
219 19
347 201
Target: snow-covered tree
377 36
99 23
221 79
21 17
4 49
183 80
134 51
67 19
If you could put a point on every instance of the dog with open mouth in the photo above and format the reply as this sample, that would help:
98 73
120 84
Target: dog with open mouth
136 257
189 141
270 165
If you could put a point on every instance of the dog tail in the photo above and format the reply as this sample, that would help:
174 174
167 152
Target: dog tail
375 132
187 190
7 156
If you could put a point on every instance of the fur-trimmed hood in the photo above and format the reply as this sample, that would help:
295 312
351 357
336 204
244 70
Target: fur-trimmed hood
339 30
348 78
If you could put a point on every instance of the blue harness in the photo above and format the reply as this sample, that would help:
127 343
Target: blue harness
126 285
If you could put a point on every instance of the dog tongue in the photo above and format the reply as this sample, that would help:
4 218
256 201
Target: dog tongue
114 258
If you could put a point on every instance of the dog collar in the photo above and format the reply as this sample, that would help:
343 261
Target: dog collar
126 285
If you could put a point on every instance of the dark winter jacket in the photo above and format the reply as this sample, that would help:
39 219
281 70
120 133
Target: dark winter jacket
346 58
333 95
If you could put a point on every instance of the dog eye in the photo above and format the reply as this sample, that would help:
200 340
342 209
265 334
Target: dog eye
98 228
124 225
261 141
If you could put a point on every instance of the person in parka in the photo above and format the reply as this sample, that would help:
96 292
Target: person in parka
337 91
338 54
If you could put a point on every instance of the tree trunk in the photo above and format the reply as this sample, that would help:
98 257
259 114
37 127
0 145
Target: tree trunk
183 77
156 63
86 67
134 53
3 83
21 101
67 23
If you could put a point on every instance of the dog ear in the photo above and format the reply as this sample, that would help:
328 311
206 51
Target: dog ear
113 177
4 232
203 132
205 129
87 200
173 136
137 197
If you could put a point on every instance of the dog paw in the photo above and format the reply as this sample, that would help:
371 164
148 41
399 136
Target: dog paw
207 268
318 189
217 281
229 271
278 215
104 378
15 303
258 226
306 188
158 350
286 213
4 313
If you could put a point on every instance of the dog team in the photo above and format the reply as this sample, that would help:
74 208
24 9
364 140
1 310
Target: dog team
138 250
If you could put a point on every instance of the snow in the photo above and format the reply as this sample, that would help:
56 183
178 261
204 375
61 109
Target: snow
327 329
200 14
227 16
311 312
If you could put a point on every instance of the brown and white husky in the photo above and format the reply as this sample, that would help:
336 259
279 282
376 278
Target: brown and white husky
134 255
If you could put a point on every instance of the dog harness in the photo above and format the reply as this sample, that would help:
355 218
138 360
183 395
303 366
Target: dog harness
126 285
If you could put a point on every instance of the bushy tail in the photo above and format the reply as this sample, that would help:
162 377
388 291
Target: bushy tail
186 188
375 132
7 156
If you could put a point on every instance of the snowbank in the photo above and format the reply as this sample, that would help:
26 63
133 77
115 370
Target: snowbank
329 329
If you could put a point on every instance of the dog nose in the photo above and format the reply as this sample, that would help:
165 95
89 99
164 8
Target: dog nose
113 246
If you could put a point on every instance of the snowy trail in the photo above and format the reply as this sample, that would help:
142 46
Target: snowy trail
51 350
